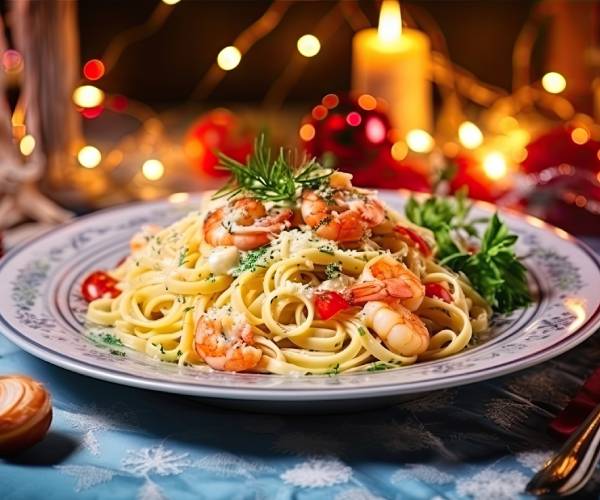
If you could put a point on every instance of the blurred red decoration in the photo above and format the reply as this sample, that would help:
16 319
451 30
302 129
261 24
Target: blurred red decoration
91 113
93 69
470 173
217 131
557 147
352 129
118 103
354 132
567 181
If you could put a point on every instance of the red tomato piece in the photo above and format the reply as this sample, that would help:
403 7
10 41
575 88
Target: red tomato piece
416 239
328 304
99 284
438 291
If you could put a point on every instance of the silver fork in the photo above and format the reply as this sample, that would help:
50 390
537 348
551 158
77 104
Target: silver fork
572 467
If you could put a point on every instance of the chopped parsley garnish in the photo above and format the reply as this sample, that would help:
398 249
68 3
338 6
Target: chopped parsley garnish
114 352
109 339
189 308
377 367
361 331
251 260
271 180
494 270
328 249
183 256
333 270
335 370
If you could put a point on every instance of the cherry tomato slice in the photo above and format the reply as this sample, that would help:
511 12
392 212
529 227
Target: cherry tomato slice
97 285
328 304
415 238
438 291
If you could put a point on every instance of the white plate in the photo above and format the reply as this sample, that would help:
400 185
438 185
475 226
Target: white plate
41 311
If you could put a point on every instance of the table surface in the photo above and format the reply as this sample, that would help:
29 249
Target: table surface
481 441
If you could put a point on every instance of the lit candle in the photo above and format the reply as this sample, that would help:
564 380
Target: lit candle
394 64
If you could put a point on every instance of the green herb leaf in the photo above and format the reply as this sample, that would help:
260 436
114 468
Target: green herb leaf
251 260
377 367
333 270
270 180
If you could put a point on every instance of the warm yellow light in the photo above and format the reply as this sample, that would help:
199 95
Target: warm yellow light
520 155
307 132
88 96
308 45
419 141
469 135
494 165
367 102
171 2
179 197
390 22
153 170
89 157
27 145
399 150
508 123
554 82
229 58
580 136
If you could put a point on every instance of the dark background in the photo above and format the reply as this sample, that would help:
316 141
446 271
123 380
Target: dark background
167 66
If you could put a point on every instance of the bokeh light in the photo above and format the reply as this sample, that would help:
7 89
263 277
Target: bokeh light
319 112
353 119
308 45
12 61
419 141
89 157
367 102
27 145
469 135
375 130
494 165
330 101
171 2
93 69
229 58
88 96
399 150
307 132
580 136
554 82
153 169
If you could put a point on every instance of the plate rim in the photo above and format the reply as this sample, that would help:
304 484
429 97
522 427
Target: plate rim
318 393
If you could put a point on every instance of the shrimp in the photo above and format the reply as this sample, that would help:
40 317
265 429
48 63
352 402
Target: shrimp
245 223
400 329
226 346
140 240
388 280
345 213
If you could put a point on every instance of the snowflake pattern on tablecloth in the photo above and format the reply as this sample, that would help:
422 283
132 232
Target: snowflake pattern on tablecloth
533 460
229 465
426 473
317 473
155 460
357 494
491 484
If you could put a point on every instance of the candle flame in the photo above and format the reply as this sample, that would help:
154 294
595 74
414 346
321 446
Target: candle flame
390 22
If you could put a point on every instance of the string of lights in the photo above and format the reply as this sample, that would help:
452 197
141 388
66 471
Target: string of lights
453 81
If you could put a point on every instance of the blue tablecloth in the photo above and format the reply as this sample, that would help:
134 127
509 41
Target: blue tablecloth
482 441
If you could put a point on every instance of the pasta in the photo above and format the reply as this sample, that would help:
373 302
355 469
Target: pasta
331 282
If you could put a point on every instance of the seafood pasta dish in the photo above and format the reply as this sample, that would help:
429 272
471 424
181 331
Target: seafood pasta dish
290 269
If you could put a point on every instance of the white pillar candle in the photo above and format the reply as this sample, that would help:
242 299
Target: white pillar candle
394 64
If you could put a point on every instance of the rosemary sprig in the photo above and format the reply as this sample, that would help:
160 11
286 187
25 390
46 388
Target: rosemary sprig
268 180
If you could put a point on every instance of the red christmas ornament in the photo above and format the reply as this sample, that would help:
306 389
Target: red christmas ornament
567 181
352 129
470 173
217 131
557 147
